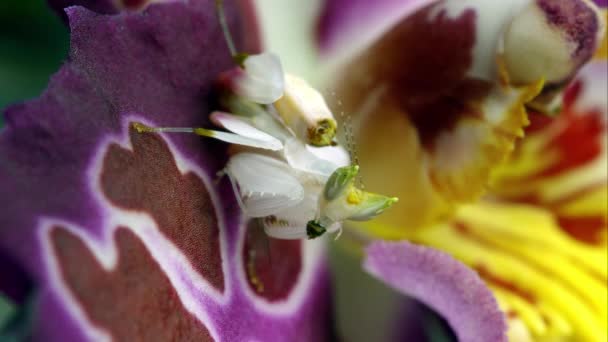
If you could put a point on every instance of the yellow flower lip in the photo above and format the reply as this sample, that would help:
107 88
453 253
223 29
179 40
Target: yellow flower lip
538 273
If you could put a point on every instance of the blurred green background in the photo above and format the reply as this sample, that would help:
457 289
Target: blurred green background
33 44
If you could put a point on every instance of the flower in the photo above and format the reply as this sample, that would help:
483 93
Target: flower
440 101
125 235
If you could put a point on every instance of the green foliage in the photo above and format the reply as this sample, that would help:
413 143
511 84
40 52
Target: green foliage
15 320
7 310
33 43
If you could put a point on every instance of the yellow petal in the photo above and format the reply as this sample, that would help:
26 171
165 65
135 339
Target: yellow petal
537 269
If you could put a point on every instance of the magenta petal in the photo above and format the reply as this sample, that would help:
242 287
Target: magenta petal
446 285
344 23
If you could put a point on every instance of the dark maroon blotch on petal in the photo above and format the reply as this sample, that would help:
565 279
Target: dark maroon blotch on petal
148 180
434 91
272 265
134 301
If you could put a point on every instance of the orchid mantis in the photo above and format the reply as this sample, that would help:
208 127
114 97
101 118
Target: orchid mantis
293 176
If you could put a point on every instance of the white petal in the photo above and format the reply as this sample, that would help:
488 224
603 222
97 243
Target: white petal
265 185
336 155
299 157
263 80
241 126
283 228
242 140
291 223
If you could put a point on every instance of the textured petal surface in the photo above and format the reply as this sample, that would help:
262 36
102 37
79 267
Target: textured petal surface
124 234
446 285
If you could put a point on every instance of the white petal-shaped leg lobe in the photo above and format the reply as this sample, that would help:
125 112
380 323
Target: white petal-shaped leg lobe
256 140
300 157
241 126
263 80
337 155
290 223
264 185
273 145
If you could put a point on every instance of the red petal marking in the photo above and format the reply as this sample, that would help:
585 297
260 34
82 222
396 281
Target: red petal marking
147 179
585 229
579 142
463 229
135 301
538 122
572 93
504 284
272 265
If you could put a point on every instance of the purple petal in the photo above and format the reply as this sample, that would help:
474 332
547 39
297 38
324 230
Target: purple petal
124 234
601 3
344 22
441 282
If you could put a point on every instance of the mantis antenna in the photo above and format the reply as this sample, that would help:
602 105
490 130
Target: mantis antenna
219 6
238 57
349 139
